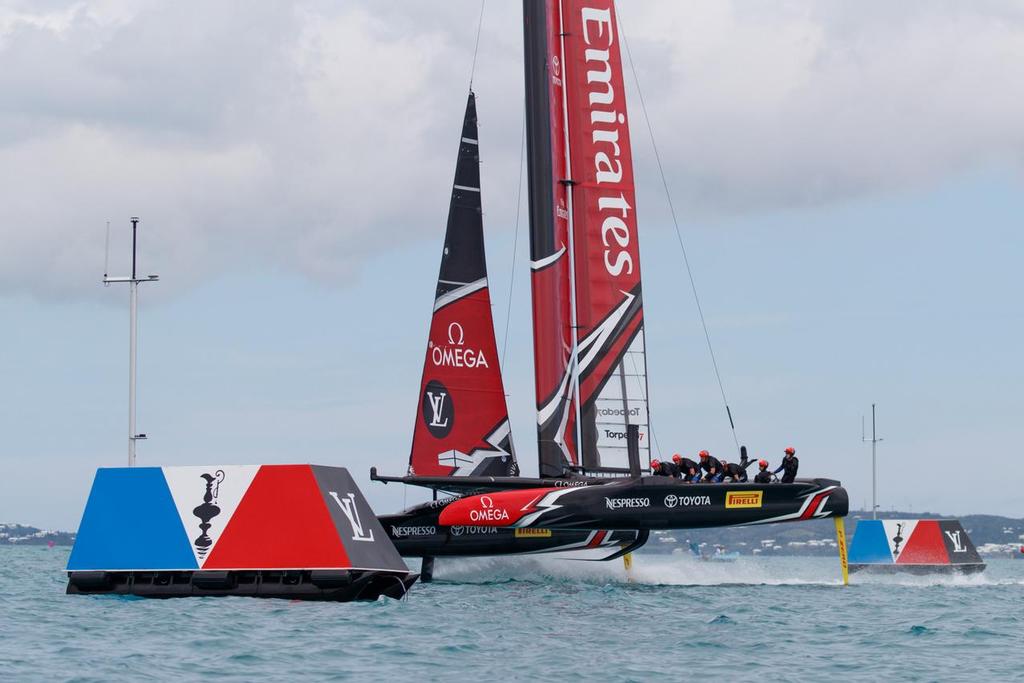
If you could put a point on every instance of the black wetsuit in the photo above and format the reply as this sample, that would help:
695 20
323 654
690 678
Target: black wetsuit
685 465
736 472
763 477
789 465
711 463
667 469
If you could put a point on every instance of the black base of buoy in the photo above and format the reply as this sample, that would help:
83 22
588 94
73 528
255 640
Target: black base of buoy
917 569
317 584
427 570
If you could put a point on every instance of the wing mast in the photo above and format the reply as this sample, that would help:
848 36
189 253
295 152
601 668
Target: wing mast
590 358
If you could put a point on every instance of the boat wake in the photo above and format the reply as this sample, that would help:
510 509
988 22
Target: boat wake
682 570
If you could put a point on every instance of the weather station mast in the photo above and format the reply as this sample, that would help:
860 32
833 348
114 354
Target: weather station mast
133 335
874 469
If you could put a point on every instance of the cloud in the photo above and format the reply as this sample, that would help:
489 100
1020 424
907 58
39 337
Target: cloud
312 137
787 104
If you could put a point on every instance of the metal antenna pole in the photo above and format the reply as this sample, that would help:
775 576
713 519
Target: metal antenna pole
874 468
133 335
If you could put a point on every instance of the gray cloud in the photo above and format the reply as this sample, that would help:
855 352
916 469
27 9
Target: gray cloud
310 137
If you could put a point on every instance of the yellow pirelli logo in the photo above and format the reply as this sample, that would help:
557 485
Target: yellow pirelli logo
533 533
743 499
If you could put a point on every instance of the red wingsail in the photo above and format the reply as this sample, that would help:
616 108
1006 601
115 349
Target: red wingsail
609 308
549 239
462 426
588 310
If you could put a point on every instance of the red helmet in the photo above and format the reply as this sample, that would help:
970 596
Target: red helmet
704 454
677 458
655 464
790 450
762 462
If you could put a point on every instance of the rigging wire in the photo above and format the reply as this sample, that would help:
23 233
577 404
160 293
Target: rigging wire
515 240
679 236
476 47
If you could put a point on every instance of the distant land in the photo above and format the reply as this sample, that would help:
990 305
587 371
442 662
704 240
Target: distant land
992 535
19 534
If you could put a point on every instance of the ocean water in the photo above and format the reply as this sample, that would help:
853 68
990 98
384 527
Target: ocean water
530 619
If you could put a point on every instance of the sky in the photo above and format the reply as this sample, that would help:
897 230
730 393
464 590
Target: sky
847 178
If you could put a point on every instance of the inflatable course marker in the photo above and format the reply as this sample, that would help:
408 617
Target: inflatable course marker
294 531
918 546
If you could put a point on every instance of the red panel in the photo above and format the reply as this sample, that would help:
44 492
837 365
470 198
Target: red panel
604 202
468 399
503 508
925 545
281 523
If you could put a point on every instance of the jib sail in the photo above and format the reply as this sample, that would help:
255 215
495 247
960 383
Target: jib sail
462 426
582 187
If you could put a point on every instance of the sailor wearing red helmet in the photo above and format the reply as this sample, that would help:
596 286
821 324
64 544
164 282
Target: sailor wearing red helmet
664 469
689 469
789 465
763 476
734 472
711 466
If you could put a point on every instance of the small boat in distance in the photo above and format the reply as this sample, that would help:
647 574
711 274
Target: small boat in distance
718 555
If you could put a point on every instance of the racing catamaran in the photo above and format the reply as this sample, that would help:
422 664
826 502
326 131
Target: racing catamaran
589 349
462 429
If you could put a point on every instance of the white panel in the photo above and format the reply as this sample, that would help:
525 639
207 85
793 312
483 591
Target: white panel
898 527
188 488
615 411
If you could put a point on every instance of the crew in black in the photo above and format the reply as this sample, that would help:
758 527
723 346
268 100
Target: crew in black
763 476
789 465
710 465
664 469
731 470
689 469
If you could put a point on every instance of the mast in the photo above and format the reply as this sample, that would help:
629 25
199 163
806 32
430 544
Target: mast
133 334
574 366
550 267
874 469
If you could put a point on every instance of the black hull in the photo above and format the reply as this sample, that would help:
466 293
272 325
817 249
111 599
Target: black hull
417 533
918 569
654 503
320 585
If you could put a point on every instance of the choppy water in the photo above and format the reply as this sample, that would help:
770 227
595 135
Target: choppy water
778 619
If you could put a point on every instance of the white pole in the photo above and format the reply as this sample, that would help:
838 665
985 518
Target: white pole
133 281
132 350
874 468
874 465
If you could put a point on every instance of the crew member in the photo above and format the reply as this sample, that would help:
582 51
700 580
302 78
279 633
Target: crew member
763 476
733 471
789 465
664 469
689 469
712 466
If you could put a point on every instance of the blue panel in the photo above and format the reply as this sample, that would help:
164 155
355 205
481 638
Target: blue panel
130 522
869 544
